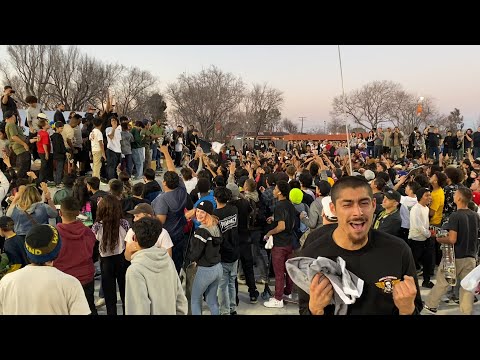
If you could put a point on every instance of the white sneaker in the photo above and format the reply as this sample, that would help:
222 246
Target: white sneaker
273 303
100 302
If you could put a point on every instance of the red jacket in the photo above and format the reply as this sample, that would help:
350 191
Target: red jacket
76 253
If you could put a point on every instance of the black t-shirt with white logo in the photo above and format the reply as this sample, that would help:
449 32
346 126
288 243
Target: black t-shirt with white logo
228 224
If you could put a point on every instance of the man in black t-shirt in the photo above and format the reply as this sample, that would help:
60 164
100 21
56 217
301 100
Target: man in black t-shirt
283 219
463 233
7 103
384 262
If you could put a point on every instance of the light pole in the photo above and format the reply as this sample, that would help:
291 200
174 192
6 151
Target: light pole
324 126
302 117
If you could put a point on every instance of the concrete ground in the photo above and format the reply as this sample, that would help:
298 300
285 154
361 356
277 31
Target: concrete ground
246 308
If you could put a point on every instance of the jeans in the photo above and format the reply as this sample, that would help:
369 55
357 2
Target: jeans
59 171
129 164
24 161
476 152
370 151
138 159
283 282
377 151
113 271
113 159
433 150
226 288
156 155
206 282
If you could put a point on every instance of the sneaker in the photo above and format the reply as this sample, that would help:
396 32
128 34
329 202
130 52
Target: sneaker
431 310
241 280
51 183
261 281
273 303
100 302
290 299
254 297
428 285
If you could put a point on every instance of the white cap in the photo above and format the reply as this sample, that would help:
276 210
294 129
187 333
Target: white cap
326 208
369 175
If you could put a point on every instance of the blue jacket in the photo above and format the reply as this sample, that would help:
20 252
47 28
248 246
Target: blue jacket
39 214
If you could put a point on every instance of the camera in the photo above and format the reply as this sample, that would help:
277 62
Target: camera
12 92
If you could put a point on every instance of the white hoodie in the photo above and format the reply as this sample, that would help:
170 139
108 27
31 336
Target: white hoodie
152 285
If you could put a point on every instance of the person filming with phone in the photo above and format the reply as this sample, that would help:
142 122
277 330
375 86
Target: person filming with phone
8 103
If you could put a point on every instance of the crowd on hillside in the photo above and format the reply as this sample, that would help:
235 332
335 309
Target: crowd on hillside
380 206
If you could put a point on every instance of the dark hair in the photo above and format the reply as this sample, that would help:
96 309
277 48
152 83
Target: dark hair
353 182
124 126
465 194
41 123
271 179
414 186
422 180
284 188
9 224
77 117
305 179
97 122
80 191
109 213
454 174
138 189
442 178
186 174
203 185
94 182
222 194
250 185
203 174
382 164
30 99
384 176
123 176
70 207
171 179
123 119
68 181
314 169
116 187
149 174
139 123
472 206
294 184
380 183
324 187
147 230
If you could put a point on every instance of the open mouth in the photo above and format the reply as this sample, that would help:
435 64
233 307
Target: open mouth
357 225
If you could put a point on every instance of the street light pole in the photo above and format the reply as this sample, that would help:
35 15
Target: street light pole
324 126
302 117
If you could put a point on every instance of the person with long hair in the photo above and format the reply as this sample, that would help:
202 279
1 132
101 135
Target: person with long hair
204 250
110 230
28 209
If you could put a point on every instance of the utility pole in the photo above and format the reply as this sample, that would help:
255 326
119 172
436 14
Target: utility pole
324 126
302 117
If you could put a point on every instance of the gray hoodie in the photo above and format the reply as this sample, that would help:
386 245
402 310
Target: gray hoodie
152 285
314 220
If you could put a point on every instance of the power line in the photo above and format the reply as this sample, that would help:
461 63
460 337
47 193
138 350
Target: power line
302 117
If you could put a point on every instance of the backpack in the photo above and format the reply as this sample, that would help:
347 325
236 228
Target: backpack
256 216
299 228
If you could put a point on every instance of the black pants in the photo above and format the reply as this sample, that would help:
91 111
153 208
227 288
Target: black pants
178 251
178 158
45 172
24 161
113 272
89 290
59 170
423 252
246 259
113 159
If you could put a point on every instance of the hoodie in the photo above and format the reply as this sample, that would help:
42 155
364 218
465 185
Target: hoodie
152 285
76 255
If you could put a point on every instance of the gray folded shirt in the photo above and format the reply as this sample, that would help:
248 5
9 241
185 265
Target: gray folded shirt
347 287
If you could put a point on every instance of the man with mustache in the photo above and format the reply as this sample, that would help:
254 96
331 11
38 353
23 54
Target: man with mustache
384 262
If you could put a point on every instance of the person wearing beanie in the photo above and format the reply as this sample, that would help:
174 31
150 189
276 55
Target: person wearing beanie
204 251
53 292
152 285
76 254
204 194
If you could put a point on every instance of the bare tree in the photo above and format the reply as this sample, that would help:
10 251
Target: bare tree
335 126
289 126
156 107
133 92
77 79
207 98
31 70
367 107
263 105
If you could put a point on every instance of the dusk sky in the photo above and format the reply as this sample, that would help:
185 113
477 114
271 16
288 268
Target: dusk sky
309 75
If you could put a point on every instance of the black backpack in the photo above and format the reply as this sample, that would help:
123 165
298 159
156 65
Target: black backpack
256 215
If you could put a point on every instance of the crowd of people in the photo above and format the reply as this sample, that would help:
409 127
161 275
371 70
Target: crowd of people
218 220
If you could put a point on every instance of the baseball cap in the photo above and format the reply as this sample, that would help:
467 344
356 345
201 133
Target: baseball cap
369 175
393 195
142 208
206 206
42 116
326 208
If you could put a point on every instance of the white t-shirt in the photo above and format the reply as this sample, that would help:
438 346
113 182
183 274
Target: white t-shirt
114 144
190 184
179 144
41 290
164 240
94 137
